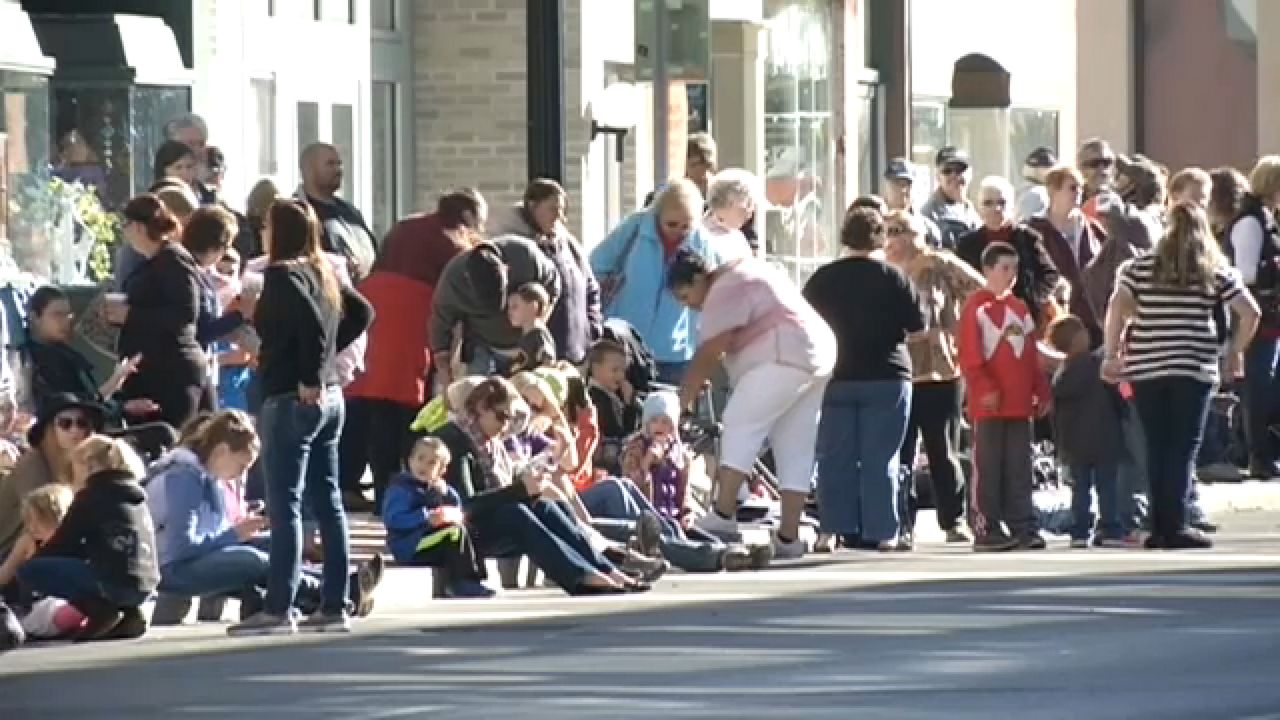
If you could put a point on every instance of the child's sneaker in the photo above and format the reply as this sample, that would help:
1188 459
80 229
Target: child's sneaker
788 550
469 589
1032 541
264 623
994 542
722 527
1079 544
326 622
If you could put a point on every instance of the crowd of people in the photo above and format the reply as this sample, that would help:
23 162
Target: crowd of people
509 393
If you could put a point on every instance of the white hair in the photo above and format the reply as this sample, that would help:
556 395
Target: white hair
995 183
681 191
733 187
185 121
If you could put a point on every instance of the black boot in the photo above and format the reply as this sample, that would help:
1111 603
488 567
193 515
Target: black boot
101 617
132 625
11 632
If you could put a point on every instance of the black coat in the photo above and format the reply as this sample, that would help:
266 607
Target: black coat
109 526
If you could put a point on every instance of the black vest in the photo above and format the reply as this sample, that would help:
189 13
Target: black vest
1266 282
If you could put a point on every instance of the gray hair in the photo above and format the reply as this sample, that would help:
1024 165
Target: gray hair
733 187
995 183
681 191
184 122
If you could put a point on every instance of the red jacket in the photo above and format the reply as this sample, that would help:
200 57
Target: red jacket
998 353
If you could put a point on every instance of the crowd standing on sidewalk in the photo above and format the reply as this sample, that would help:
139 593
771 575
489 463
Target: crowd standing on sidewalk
615 410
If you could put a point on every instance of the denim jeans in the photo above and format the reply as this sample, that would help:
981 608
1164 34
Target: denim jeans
616 504
72 578
484 361
1261 372
1087 480
234 570
859 437
546 534
1173 412
1131 477
300 458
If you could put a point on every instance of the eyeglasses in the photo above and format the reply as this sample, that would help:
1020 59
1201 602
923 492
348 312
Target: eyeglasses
69 422
1100 162
995 202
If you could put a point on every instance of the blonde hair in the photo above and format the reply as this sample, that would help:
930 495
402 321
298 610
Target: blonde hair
178 199
97 453
48 503
455 396
1186 178
1264 180
1188 256
914 223
679 192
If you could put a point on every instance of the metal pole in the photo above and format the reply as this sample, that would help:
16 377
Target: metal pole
661 95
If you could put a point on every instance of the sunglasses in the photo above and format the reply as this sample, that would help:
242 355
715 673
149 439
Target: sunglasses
1100 162
896 230
70 422
954 169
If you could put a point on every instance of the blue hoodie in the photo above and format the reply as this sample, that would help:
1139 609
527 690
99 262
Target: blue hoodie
404 513
668 328
189 511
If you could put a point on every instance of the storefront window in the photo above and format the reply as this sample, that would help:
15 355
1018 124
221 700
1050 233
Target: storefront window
24 160
801 225
930 129
1029 129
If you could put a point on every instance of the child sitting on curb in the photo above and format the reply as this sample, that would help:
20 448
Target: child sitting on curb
425 525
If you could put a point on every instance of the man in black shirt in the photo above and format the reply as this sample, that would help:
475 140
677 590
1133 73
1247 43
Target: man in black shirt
343 229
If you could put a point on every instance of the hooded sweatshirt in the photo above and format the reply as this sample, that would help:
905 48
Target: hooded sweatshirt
108 526
190 510
404 512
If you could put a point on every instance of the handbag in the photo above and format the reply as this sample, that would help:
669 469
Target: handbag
612 282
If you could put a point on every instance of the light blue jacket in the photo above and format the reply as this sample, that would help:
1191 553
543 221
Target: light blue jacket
667 327
189 510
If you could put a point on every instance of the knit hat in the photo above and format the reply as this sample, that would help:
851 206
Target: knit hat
555 384
660 404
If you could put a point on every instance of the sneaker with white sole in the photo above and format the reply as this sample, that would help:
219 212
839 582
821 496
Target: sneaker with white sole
722 527
326 622
264 623
792 550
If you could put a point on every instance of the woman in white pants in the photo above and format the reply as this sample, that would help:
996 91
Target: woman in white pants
779 354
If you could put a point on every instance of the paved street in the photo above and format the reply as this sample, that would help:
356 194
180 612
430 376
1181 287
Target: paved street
939 633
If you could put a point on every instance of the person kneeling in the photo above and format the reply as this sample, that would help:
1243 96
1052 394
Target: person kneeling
103 557
425 525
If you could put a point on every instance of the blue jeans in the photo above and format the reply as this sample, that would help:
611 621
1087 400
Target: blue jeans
72 578
546 534
1173 411
1086 481
1131 477
484 361
300 458
235 570
1261 370
616 504
859 436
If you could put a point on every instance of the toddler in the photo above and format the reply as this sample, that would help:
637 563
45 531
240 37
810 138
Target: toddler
234 361
425 524
999 359
1089 438
614 399
102 558
527 309
42 512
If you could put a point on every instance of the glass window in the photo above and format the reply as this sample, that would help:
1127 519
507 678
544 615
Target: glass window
343 133
930 131
386 184
26 202
799 144
308 124
382 15
336 10
262 140
1029 129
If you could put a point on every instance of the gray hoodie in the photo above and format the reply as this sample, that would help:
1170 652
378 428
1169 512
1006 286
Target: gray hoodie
455 299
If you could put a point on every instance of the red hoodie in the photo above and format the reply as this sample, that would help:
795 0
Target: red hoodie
998 353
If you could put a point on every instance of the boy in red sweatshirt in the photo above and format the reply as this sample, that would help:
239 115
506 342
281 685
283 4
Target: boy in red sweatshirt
1005 389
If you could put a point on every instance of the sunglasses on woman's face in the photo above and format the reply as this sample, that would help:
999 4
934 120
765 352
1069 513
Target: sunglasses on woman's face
995 202
72 422
1100 162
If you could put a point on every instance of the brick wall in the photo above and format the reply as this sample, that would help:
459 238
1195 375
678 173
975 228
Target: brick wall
469 80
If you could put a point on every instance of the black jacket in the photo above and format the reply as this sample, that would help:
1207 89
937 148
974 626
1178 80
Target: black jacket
109 526
343 230
55 369
300 331
467 477
164 303
1037 275
1086 413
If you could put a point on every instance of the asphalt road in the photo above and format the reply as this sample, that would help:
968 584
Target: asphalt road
941 633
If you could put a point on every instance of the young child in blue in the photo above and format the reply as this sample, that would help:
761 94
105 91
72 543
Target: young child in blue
234 371
425 525
1089 439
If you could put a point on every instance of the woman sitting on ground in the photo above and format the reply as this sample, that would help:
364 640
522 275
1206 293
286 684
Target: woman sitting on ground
207 544
504 506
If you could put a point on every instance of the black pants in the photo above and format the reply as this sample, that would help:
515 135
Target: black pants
935 417
375 435
175 388
456 556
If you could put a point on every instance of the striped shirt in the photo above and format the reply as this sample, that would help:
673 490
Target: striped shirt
1173 331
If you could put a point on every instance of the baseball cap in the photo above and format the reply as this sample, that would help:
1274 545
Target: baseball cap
1042 157
951 155
898 169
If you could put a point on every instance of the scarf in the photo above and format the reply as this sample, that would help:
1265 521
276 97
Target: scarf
492 455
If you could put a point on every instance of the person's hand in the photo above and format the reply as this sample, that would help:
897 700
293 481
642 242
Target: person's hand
308 395
141 407
126 367
436 518
451 515
115 313
250 526
990 402
657 451
1112 370
1042 407
533 482
1233 366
